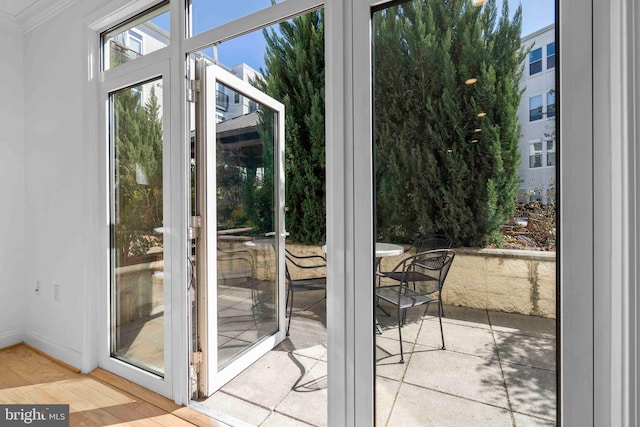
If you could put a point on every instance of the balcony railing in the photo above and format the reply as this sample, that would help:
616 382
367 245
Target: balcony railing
222 101
121 54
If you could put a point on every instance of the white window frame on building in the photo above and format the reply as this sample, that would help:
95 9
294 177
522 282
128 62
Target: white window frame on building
535 154
540 151
551 55
550 150
535 110
535 61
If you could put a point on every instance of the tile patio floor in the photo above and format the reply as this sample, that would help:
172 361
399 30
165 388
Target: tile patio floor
497 370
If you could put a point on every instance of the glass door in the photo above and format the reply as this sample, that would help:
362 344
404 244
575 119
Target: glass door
240 203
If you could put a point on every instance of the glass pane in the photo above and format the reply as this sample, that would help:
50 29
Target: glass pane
137 254
535 161
551 49
535 67
208 14
551 104
535 108
551 153
135 38
551 55
535 55
481 337
247 285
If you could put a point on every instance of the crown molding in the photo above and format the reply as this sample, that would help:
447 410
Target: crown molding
40 12
8 19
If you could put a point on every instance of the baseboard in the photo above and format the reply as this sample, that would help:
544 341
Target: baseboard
64 354
10 339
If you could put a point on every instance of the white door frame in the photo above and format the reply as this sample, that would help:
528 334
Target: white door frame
120 79
212 75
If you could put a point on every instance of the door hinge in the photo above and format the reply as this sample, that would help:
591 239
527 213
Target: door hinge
193 90
194 227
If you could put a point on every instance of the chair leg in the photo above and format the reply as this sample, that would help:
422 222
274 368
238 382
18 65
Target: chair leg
286 303
400 335
440 313
290 301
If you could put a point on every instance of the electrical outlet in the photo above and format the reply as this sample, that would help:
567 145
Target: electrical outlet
56 293
38 285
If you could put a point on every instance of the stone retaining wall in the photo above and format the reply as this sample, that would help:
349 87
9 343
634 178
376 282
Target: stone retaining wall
512 281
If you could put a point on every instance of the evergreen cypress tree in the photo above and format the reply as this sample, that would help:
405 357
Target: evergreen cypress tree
431 177
294 75
138 172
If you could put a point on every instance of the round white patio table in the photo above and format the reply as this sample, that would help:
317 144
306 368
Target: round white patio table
388 249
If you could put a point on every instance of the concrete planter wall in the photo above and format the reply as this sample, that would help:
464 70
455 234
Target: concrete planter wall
511 281
139 291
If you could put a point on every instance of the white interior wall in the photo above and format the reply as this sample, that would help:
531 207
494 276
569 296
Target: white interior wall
59 183
13 260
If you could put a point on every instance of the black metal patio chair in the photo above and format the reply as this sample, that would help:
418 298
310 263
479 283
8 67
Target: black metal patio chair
420 244
421 279
431 242
296 267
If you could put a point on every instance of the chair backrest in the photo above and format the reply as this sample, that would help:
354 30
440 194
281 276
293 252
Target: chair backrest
428 243
427 270
234 264
299 265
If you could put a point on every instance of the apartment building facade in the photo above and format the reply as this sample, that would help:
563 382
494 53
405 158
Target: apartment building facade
537 117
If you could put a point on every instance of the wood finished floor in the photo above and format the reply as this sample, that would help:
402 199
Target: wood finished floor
98 399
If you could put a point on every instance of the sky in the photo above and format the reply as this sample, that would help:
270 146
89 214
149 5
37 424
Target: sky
250 48
536 14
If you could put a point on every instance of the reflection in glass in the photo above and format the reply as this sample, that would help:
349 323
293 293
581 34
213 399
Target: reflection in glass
247 285
208 14
137 266
137 37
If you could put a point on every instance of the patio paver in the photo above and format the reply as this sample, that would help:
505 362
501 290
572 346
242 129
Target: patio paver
417 406
458 374
498 369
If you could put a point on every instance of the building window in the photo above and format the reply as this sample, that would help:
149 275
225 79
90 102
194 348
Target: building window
135 42
551 152
236 98
542 153
535 154
535 61
551 55
535 108
551 103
